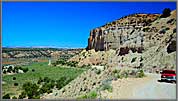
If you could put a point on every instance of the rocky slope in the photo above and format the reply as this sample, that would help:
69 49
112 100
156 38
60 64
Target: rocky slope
152 42
88 81
159 46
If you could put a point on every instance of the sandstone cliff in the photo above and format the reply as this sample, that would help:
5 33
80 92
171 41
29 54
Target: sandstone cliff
127 31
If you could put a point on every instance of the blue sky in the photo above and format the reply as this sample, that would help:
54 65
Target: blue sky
64 24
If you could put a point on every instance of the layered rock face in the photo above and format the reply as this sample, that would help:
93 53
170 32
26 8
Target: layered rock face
125 32
147 37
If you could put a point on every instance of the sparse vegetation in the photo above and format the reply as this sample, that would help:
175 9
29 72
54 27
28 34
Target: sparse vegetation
7 96
134 59
22 95
162 31
174 30
14 78
171 47
115 71
118 74
141 59
30 90
90 95
107 87
140 74
146 29
24 69
14 97
97 71
33 70
167 28
67 63
16 84
170 21
33 90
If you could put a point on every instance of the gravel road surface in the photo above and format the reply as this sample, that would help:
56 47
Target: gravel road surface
141 88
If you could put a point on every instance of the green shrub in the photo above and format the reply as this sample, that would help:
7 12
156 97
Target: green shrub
166 13
62 82
45 88
68 79
46 79
9 70
33 70
14 97
116 74
83 66
174 30
16 84
140 74
107 87
14 71
119 76
141 59
162 31
170 21
14 78
49 91
133 60
141 65
64 62
30 89
40 81
36 97
52 83
146 29
53 64
83 54
18 67
126 75
98 71
92 95
82 97
22 95
25 70
7 96
167 28
115 71
4 72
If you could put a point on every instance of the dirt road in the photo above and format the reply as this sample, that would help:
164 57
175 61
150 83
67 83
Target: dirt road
141 88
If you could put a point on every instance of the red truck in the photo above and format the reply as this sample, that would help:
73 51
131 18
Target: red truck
168 75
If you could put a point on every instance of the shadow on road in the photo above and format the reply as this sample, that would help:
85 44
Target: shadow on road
166 81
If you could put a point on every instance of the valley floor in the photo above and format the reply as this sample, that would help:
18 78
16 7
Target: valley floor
141 88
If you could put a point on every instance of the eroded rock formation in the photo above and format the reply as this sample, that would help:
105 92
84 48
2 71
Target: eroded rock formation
125 32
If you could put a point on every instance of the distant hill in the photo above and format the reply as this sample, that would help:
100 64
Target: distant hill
34 52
